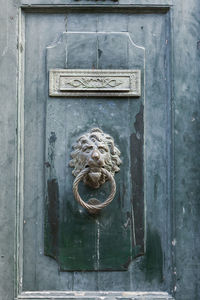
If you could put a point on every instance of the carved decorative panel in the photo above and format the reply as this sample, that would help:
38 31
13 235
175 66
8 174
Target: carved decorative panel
112 83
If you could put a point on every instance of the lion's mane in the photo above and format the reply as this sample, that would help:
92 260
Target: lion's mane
95 134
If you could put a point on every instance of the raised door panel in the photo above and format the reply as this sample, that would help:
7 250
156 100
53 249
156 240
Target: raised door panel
139 126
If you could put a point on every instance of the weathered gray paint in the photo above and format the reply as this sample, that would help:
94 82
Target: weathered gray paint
63 2
186 124
8 117
185 246
98 295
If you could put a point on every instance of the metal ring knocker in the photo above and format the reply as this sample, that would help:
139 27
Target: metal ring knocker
94 208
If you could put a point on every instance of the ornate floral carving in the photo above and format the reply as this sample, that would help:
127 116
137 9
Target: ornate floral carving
89 82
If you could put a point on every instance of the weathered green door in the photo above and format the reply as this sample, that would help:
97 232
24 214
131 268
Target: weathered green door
100 177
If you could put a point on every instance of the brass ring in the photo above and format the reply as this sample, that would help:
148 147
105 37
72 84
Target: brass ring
97 207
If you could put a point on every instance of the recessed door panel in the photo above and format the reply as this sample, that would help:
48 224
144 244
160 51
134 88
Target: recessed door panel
67 239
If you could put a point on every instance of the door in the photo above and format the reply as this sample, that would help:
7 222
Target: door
100 180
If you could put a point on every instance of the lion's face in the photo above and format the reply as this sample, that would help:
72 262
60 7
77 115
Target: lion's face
94 154
95 150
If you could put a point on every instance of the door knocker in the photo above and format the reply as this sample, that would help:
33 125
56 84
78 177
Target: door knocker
95 159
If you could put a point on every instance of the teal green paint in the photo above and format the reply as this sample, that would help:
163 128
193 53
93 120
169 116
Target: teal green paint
152 263
77 243
85 242
40 273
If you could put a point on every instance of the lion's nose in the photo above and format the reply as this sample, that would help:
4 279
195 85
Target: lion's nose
95 155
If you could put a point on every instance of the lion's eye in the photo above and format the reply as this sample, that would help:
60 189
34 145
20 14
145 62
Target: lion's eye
102 150
87 150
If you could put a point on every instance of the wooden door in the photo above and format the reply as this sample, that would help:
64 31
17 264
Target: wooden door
123 78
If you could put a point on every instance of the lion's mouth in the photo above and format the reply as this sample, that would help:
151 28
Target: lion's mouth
95 177
94 168
94 173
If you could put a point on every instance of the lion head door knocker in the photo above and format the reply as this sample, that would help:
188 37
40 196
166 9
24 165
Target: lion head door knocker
95 159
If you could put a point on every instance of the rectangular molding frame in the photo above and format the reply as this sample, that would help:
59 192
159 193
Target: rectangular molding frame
57 295
98 83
